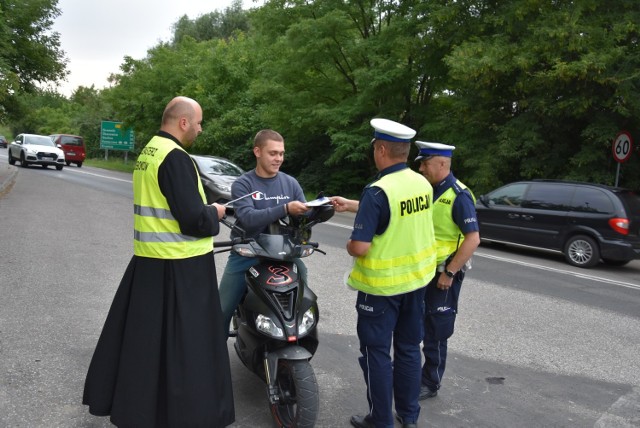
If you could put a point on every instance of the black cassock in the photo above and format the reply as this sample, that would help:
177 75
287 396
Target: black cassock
162 360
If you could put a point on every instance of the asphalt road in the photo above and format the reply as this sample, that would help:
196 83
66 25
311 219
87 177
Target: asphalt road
537 344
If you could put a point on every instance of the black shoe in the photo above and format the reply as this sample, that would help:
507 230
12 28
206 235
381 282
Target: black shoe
362 421
399 419
425 393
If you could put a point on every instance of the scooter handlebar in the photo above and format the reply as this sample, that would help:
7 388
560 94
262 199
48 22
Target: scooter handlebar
236 241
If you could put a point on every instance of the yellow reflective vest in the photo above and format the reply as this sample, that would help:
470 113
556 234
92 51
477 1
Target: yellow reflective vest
156 232
403 258
447 232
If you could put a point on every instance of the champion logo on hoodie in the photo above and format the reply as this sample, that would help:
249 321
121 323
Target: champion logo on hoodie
259 196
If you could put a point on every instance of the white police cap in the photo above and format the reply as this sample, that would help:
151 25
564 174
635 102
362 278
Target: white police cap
389 130
428 150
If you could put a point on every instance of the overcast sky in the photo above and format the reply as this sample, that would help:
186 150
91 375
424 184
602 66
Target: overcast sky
96 34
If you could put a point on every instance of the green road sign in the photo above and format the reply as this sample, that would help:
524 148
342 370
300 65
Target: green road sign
114 136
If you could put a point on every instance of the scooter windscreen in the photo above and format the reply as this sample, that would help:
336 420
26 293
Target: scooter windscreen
275 247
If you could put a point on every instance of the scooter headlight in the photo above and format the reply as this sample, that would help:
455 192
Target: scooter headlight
307 322
244 251
267 326
307 252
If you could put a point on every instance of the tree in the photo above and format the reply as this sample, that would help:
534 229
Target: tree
40 112
543 87
212 25
522 88
29 51
330 66
89 107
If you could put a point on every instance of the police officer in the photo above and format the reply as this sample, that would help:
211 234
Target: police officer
457 237
394 248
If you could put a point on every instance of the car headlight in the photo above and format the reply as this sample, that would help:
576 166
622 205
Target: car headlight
267 326
31 151
308 320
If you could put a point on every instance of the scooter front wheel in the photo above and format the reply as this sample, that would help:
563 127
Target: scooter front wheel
298 395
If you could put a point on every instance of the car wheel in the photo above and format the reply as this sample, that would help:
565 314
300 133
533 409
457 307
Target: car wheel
59 167
79 164
12 161
582 251
615 262
23 162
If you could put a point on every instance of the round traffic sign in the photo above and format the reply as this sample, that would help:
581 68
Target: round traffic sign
622 147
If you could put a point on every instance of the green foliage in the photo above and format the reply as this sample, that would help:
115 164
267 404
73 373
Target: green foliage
4 130
29 51
549 84
522 88
38 111
213 25
89 108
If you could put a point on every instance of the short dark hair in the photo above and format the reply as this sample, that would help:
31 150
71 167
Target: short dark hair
264 135
396 150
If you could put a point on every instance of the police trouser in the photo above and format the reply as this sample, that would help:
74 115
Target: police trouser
440 317
381 320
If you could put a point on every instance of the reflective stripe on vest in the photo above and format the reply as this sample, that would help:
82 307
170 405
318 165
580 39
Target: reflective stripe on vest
448 235
403 258
156 232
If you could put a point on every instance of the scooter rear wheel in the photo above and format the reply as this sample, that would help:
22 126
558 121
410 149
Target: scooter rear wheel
298 393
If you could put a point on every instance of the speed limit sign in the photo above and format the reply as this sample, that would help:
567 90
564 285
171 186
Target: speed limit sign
622 146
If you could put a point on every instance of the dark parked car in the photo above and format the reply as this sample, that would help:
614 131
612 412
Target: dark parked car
3 141
585 222
217 175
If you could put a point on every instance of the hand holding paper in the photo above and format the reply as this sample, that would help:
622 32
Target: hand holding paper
318 202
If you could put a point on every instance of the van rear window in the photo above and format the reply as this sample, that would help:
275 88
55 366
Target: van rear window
71 141
591 200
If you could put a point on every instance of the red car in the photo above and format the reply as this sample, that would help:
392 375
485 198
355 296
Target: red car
73 147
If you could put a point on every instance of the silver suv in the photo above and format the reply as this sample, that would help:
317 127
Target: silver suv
35 149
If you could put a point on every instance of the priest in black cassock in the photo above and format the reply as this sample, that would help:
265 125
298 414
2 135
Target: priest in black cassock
162 360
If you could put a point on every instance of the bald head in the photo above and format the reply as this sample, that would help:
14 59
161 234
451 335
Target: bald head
177 108
182 118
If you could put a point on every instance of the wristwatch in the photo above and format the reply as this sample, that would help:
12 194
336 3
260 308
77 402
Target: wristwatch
449 273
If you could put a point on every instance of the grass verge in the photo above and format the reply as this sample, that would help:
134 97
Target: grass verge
112 164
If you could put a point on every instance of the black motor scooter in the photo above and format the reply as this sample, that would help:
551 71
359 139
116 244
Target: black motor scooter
275 322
